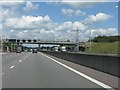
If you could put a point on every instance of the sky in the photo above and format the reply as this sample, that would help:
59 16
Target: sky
58 20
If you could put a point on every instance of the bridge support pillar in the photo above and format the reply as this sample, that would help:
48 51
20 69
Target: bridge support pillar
8 49
20 44
39 47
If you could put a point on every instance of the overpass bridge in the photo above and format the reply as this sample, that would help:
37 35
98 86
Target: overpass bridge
35 41
20 42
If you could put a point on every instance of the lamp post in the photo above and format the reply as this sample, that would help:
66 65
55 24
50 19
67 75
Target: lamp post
77 40
90 38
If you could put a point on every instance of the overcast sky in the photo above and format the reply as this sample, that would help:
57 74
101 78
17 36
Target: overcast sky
58 20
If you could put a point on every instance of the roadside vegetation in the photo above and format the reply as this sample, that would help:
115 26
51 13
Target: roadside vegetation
103 45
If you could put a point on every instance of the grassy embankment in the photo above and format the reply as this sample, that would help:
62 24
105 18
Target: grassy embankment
102 48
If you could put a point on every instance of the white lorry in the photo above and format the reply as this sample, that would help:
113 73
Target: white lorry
63 49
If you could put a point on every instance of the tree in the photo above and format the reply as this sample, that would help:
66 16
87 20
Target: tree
106 39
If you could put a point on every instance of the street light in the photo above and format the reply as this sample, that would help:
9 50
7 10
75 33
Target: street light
90 38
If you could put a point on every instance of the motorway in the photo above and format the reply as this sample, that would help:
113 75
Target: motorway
36 70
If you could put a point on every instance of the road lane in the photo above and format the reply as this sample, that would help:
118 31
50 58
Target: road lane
11 56
8 61
37 71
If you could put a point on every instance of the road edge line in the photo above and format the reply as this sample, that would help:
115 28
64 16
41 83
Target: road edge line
81 74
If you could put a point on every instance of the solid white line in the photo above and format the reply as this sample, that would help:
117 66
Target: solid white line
81 74
12 67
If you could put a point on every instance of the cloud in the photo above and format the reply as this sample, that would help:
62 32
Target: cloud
81 3
30 6
10 9
0 31
27 22
76 4
12 30
71 12
1 14
0 28
70 26
42 27
84 1
100 17
66 30
8 13
9 4
29 26
102 31
25 31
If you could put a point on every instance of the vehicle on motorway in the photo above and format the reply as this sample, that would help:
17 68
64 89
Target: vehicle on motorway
63 49
56 49
19 49
34 51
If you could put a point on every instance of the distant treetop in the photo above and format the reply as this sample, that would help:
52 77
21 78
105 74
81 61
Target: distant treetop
106 39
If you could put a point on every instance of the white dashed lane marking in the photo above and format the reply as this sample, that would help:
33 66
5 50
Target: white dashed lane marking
12 67
24 58
2 73
20 60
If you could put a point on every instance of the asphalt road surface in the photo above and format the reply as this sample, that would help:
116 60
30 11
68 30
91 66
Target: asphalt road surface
35 70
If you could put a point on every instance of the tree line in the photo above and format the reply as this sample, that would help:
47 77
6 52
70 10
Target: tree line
106 39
